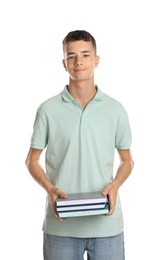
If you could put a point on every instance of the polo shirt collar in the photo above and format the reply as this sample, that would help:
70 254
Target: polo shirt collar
68 98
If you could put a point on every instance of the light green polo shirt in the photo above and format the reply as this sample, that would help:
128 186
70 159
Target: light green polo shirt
80 145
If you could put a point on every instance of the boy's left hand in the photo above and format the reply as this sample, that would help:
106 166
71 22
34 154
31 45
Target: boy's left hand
111 190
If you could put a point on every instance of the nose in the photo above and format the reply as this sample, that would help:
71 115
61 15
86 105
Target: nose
79 60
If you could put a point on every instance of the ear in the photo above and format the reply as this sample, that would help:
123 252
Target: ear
96 61
64 64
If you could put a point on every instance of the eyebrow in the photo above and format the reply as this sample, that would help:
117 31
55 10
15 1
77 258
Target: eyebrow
72 53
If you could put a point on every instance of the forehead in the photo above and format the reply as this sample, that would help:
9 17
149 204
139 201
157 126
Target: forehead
78 46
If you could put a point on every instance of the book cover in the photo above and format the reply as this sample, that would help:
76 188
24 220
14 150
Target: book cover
82 198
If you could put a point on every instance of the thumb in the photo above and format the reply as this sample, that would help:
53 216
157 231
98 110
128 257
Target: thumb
105 191
61 194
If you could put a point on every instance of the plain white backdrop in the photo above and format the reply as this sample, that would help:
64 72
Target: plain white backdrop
128 39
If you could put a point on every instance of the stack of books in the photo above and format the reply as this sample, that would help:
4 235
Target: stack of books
82 204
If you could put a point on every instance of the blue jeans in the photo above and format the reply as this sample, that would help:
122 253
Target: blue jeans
69 248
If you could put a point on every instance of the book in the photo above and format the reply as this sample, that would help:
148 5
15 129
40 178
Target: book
82 198
83 213
81 207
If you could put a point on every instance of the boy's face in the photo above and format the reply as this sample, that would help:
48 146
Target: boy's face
80 60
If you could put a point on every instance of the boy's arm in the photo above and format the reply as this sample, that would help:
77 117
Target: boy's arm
123 172
37 172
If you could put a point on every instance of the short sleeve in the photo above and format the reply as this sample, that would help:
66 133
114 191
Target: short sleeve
123 131
39 137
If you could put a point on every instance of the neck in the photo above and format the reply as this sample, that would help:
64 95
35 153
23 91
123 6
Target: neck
82 93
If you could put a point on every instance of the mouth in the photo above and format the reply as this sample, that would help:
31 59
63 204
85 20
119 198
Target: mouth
78 70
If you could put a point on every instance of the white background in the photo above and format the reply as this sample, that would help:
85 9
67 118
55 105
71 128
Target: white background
128 39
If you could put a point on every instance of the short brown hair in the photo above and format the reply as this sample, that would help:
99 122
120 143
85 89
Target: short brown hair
79 35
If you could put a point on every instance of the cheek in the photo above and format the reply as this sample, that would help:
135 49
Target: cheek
68 66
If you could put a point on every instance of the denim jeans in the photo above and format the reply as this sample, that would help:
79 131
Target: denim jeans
69 248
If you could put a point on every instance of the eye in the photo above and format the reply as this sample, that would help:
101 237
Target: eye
70 57
85 55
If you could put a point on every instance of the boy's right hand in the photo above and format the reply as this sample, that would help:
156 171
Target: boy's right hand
53 196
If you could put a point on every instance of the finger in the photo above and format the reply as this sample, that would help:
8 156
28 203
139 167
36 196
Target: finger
111 206
55 214
105 191
61 194
57 217
110 212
